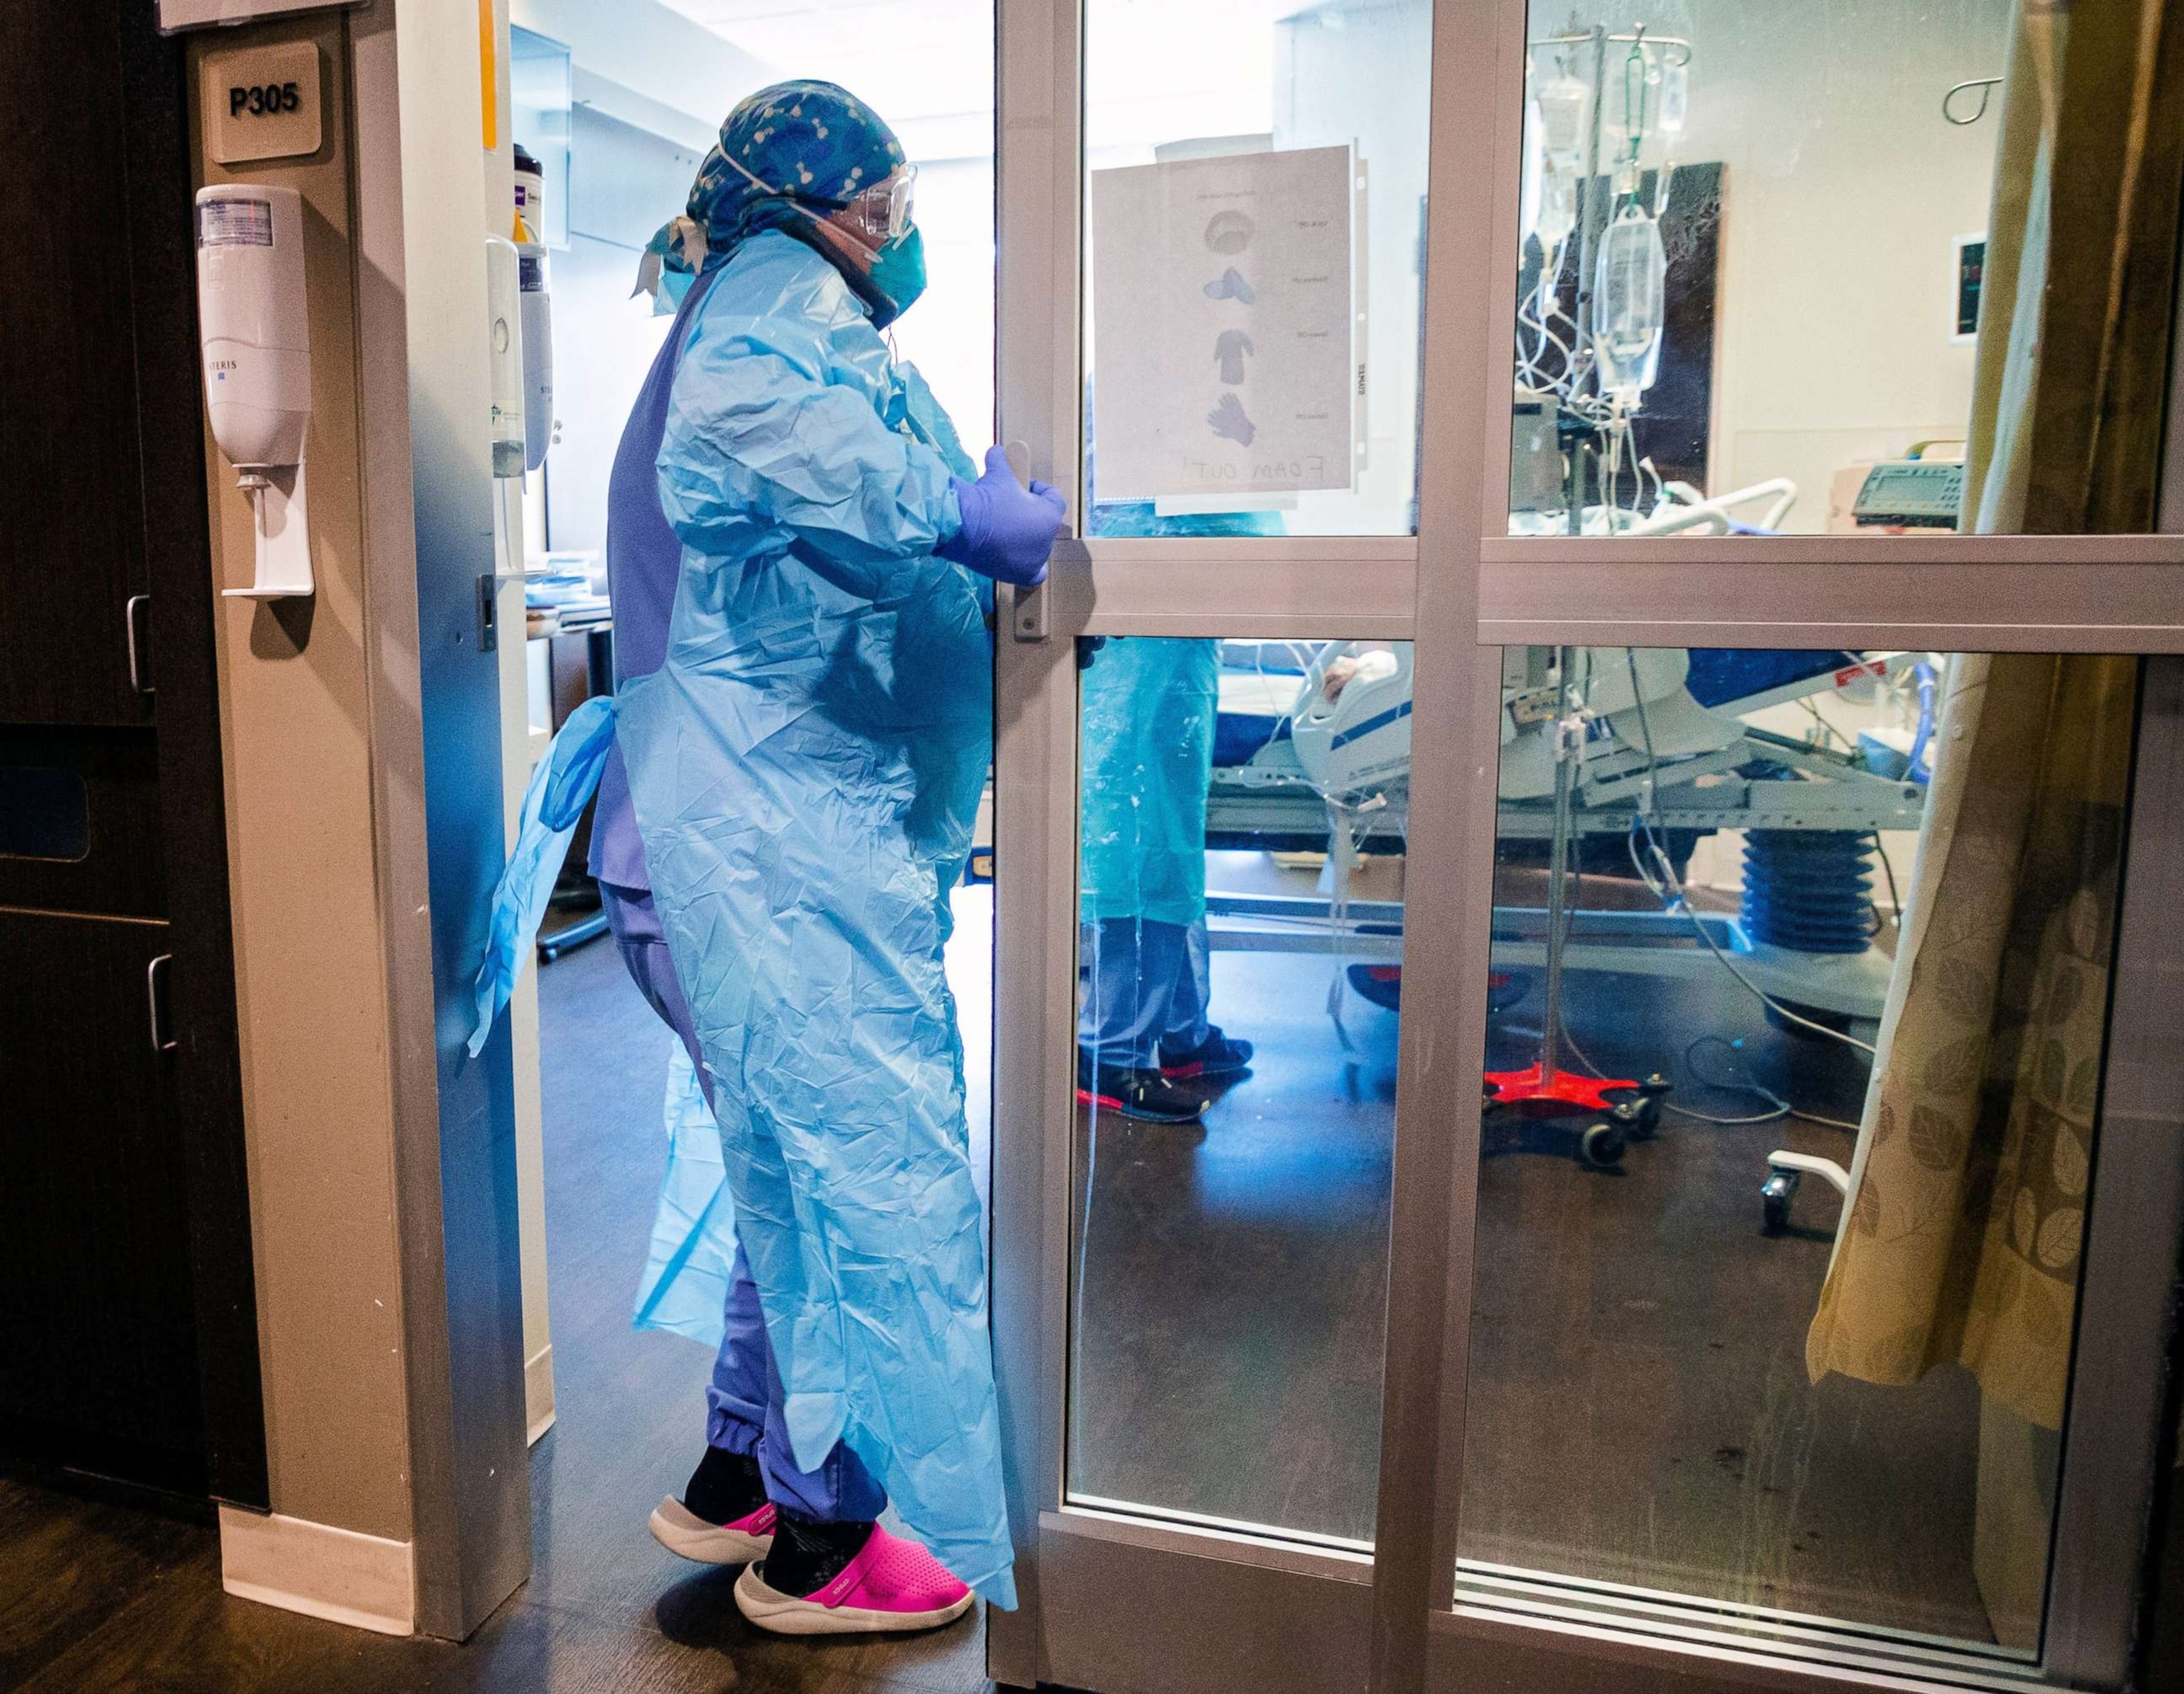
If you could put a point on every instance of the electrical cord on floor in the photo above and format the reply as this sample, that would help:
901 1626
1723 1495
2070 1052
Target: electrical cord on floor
1847 1127
1781 1107
1745 1084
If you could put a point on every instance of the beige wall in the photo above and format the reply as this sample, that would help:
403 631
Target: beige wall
297 680
1844 190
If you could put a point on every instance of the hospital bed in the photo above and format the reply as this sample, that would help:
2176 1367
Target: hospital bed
1663 745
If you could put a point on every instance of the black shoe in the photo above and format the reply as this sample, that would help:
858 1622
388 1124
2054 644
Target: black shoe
1145 1095
1217 1056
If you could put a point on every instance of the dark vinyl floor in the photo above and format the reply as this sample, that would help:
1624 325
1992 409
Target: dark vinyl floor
1639 1410
96 1596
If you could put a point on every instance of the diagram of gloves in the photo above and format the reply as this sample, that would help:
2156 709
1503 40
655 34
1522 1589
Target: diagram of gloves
1231 285
1228 422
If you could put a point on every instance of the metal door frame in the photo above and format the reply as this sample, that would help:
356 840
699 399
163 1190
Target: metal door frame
1111 1601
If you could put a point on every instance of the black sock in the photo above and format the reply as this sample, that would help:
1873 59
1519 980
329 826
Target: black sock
725 1486
807 1556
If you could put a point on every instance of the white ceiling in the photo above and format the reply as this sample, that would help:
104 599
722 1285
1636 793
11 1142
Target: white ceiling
1157 69
910 60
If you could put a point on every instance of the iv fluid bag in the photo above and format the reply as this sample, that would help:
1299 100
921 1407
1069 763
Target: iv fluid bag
1562 101
1629 299
1675 98
1554 141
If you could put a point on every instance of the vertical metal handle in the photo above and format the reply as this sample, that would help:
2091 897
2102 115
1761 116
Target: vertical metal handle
162 1042
1028 621
138 669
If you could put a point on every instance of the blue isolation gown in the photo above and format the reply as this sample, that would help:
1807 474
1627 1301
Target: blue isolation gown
806 768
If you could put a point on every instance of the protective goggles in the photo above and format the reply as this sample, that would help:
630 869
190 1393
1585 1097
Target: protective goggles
883 209
880 213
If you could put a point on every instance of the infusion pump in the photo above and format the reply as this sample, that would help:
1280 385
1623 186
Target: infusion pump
1898 495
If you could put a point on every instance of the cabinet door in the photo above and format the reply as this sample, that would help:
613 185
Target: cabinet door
71 549
98 1350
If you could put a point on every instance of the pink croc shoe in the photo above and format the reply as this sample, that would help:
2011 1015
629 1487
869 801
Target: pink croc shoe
890 1584
675 1527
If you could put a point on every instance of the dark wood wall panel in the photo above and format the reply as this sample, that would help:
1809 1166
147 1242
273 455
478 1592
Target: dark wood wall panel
95 1259
70 553
173 529
128 1317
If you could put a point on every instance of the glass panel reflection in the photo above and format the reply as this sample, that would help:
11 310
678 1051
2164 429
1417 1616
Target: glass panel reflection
1798 999
1240 880
1256 216
1754 251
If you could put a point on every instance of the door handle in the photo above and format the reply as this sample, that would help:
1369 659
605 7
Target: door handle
140 670
155 1002
1027 606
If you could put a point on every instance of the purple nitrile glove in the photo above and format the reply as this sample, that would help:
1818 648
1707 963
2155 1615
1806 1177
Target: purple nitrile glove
1008 530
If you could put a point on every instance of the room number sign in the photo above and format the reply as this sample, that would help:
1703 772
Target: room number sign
261 103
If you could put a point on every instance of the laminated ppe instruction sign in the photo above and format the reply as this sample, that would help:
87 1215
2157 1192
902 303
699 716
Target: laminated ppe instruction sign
1223 326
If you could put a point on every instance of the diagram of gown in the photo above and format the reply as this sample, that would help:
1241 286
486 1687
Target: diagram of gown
1230 352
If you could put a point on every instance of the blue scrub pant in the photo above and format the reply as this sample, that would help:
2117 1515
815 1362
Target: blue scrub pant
1144 987
744 1400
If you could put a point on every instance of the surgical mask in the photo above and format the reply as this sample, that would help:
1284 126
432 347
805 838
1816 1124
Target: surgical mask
675 287
897 276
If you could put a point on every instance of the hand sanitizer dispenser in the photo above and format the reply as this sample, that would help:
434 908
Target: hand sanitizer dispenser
538 310
254 321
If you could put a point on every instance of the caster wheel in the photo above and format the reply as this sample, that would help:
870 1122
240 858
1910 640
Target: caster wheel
1602 1146
1636 1118
1774 1197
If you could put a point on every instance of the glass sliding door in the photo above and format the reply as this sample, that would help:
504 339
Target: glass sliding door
1211 293
1239 875
1826 940
1807 1279
1578 831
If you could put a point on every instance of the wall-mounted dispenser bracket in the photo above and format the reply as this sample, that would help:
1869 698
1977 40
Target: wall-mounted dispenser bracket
284 534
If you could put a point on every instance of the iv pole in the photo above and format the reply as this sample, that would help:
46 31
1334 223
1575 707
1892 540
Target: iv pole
1620 1108
1584 235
